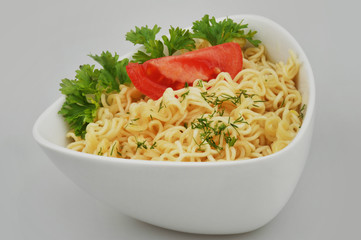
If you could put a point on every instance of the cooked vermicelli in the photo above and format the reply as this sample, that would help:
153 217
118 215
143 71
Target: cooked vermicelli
253 115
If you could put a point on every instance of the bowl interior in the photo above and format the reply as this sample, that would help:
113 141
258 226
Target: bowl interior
50 128
279 42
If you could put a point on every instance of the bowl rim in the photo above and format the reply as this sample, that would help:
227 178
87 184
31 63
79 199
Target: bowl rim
307 121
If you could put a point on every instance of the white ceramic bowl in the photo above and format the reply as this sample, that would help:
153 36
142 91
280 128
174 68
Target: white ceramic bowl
207 198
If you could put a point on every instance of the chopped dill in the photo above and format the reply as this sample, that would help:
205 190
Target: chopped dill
100 151
153 145
220 111
161 105
283 103
111 151
199 83
183 96
219 128
233 99
257 101
230 140
209 98
199 144
302 111
214 100
132 122
211 131
119 153
240 119
141 145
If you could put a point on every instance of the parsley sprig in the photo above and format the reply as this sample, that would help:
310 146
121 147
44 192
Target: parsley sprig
146 37
179 39
82 94
207 28
222 31
143 145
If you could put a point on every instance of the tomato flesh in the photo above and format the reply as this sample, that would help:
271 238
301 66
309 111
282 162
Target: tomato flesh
154 76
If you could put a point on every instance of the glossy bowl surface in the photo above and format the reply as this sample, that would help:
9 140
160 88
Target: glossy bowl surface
207 198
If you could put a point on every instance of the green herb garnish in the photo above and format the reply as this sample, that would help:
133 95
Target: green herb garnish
199 83
111 151
118 152
230 140
141 145
100 151
161 105
146 37
133 120
154 145
82 95
183 96
302 111
222 31
179 39
207 28
211 131
283 103
236 99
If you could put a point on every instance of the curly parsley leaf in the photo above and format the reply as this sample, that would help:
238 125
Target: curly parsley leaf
141 57
113 72
155 48
82 98
222 31
82 95
142 35
207 28
179 39
146 37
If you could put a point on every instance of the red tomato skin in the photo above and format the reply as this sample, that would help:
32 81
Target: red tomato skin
154 76
144 84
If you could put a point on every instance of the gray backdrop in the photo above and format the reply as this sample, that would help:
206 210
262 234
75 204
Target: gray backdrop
45 41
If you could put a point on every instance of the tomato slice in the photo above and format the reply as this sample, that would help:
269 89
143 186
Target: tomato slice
154 76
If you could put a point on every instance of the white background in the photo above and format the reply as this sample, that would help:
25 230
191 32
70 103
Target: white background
43 42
